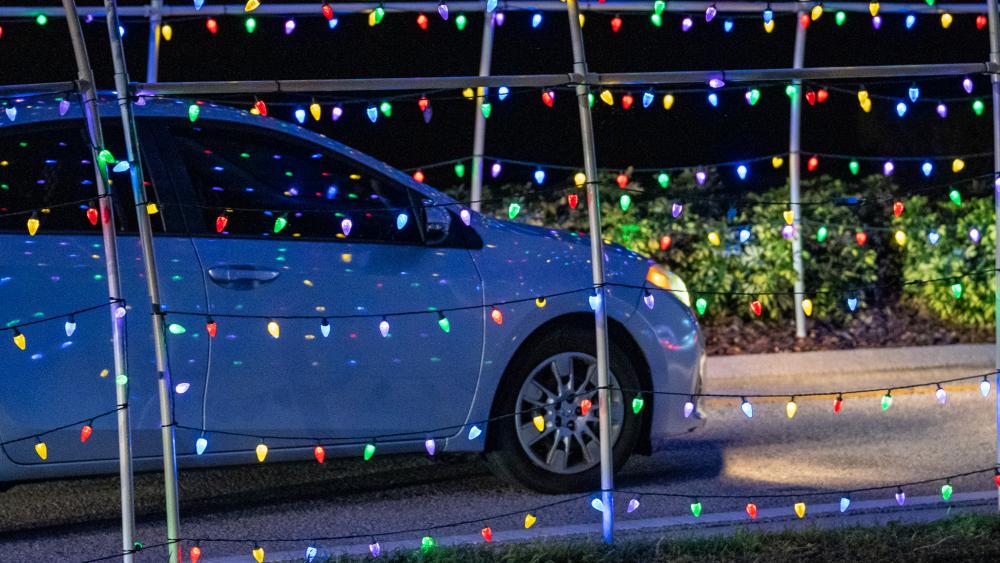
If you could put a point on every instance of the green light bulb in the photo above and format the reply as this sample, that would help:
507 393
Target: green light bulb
663 179
369 451
280 223
956 290
42 19
696 509
385 108
122 379
487 109
513 209
460 170
854 167
840 18
821 233
106 156
955 196
637 404
250 24
886 401
194 110
427 543
461 21
978 107
174 328
791 91
625 201
657 20
700 305
753 97
444 323
946 491
590 99
379 14
659 6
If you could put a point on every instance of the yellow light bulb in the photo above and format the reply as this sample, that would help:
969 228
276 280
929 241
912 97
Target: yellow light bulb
261 452
668 101
713 238
581 19
372 19
580 179
788 216
866 105
946 20
254 111
791 408
42 450
862 95
152 209
316 111
957 165
529 520
258 554
817 11
807 307
469 93
900 237
19 340
251 5
777 161
539 422
273 329
873 8
607 97
167 32
800 509
33 224
769 26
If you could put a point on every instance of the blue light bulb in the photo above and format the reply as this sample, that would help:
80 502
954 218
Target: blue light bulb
927 168
911 20
914 93
901 109
713 99
401 221
768 15
502 93
201 445
540 176
727 26
300 115
741 171
536 20
647 99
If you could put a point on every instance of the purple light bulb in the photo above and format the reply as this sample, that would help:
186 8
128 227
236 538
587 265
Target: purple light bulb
700 177
974 235
676 209
942 110
443 10
710 13
495 169
289 26
687 24
888 167
967 85
336 112
877 22
788 232
346 226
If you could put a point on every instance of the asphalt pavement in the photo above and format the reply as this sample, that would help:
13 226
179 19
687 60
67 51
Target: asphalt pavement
817 451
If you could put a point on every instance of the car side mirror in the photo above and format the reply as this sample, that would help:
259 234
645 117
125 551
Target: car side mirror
438 224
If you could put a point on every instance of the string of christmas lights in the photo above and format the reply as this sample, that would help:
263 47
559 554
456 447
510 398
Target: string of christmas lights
86 431
428 543
70 321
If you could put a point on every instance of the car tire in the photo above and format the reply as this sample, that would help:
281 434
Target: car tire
510 459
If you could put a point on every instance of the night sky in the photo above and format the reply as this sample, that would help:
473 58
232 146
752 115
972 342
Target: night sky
522 127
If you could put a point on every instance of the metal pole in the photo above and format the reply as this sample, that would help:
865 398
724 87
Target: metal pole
152 280
995 84
597 264
479 137
794 179
153 54
109 231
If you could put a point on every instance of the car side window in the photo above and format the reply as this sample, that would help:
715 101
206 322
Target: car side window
42 168
261 183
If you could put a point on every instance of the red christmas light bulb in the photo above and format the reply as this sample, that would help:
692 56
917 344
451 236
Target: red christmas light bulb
92 216
423 103
549 98
212 328
585 406
497 316
622 180
804 21
838 404
212 26
813 163
419 176
996 479
665 242
861 238
573 200
981 21
627 101
327 11
319 453
811 97
85 433
422 22
821 95
220 222
487 534
756 307
897 208
752 511
616 24
261 107
195 554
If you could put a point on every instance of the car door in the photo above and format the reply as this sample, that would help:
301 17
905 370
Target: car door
65 374
298 233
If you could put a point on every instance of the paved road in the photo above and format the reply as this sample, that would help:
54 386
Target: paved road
816 451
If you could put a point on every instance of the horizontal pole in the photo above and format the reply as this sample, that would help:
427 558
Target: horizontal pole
613 6
23 90
552 80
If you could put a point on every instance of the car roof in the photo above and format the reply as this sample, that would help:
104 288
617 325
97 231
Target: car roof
45 109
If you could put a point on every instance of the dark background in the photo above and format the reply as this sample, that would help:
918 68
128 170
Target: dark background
521 127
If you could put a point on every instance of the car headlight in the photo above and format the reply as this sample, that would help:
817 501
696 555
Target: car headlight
665 279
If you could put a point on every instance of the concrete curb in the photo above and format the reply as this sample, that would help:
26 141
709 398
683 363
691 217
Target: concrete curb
975 357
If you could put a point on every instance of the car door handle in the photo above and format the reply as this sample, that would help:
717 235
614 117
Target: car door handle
241 276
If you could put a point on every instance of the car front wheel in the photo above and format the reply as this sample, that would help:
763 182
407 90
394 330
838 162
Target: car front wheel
551 443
